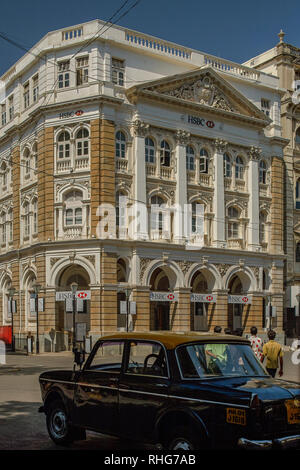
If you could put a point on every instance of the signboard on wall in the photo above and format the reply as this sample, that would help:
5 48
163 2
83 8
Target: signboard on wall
163 297
240 299
80 294
204 298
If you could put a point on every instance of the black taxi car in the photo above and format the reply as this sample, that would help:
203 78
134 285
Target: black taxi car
180 391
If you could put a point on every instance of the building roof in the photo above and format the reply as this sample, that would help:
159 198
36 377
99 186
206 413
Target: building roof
172 339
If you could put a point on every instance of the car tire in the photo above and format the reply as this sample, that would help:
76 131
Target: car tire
182 439
58 425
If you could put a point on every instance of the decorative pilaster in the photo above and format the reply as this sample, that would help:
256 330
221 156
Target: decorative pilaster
219 238
253 205
182 138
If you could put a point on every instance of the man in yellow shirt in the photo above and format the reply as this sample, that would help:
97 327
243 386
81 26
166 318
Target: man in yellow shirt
273 351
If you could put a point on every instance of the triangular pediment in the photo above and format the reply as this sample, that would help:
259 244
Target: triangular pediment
203 88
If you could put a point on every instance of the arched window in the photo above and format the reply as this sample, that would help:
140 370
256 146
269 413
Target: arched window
233 223
64 145
165 153
73 208
82 143
297 137
120 145
3 227
157 216
197 218
35 155
227 165
10 224
203 161
297 195
190 158
26 219
4 174
120 210
262 227
239 168
262 172
26 157
298 252
35 216
149 150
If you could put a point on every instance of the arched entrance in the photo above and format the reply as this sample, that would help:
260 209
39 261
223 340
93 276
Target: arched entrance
235 311
64 310
199 309
160 310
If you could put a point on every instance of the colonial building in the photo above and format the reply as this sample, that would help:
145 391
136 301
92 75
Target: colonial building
128 121
283 61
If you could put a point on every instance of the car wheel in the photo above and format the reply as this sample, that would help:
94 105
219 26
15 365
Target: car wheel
58 427
182 439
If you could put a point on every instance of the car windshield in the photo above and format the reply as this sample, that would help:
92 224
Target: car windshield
218 359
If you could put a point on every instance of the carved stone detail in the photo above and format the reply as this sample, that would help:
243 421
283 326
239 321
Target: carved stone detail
144 263
220 145
140 128
53 261
223 268
91 259
184 266
202 91
182 137
254 153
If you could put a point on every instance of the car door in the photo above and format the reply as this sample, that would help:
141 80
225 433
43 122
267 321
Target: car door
96 395
143 388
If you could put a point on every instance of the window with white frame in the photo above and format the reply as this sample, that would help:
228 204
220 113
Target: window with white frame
262 227
190 158
265 106
120 145
149 150
35 156
26 95
73 208
27 162
64 74
64 145
3 228
26 219
82 70
157 216
239 168
262 172
227 165
35 88
233 223
35 216
198 209
121 203
4 174
3 114
118 71
10 224
203 163
165 154
82 143
11 109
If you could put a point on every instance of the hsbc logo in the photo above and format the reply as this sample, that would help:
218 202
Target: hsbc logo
70 114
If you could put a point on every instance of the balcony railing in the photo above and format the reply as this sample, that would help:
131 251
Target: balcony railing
82 163
235 243
121 165
72 233
204 179
63 165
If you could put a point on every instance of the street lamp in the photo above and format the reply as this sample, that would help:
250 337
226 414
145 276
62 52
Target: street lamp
74 287
36 289
11 293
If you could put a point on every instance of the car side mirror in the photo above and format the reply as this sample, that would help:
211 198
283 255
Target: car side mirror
79 357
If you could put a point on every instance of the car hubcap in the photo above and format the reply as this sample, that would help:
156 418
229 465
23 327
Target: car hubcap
58 424
182 444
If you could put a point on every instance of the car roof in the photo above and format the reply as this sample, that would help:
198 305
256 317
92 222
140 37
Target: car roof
172 339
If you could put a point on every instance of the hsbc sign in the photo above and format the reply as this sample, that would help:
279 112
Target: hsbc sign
69 114
80 294
204 298
240 299
163 297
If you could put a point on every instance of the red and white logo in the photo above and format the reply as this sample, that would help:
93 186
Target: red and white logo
209 298
171 296
210 124
82 295
245 299
79 112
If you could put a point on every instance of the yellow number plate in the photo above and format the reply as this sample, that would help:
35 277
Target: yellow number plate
236 416
293 411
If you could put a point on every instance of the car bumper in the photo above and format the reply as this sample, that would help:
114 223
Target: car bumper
288 442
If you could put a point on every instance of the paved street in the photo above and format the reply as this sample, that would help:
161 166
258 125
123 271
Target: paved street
22 427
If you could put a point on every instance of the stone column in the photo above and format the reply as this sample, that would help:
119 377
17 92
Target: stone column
140 224
140 295
182 138
108 304
253 205
277 219
180 312
219 238
221 309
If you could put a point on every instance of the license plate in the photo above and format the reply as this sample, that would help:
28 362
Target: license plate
293 411
236 416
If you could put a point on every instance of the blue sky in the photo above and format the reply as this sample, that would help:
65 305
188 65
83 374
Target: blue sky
234 30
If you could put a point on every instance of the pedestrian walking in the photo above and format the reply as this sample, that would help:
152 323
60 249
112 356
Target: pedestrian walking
272 351
256 343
